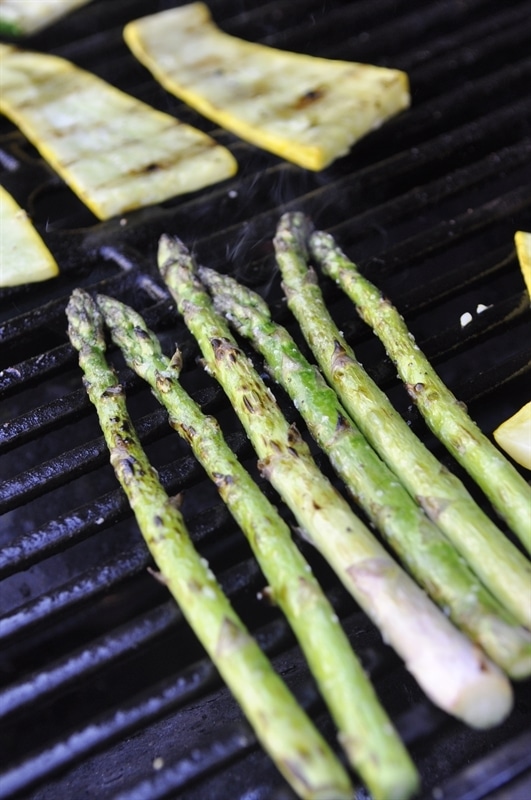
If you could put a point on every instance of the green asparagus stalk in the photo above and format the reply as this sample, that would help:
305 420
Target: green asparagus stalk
448 419
453 672
429 556
371 743
491 555
285 731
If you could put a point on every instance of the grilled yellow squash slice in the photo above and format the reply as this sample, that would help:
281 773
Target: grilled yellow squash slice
24 258
514 436
114 151
307 110
522 241
22 17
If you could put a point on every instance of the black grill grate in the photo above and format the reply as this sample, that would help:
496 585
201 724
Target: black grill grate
100 679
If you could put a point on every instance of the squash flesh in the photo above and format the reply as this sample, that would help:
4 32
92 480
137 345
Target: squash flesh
114 151
305 109
522 240
514 436
24 257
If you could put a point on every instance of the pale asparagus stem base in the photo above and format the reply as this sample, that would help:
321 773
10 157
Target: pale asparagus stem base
281 725
427 553
499 564
365 731
446 416
451 670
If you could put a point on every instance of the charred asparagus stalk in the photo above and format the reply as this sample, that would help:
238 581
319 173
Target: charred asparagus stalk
366 733
452 671
281 725
429 556
498 563
506 489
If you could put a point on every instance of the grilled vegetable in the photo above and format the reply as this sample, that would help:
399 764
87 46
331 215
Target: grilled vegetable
446 416
20 17
24 258
305 109
497 562
281 725
522 240
365 731
514 436
432 559
114 151
453 672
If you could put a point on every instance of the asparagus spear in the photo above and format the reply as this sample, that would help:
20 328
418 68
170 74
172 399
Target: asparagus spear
444 498
366 733
281 725
446 416
431 558
450 669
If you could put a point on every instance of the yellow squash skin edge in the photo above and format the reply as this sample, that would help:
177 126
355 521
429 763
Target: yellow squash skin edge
24 257
115 152
514 436
522 242
305 109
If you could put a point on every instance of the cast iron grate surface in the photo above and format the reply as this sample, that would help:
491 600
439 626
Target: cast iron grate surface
101 681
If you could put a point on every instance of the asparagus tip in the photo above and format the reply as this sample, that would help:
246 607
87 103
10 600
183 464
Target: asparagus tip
209 277
230 296
115 312
321 244
293 225
85 322
171 251
106 303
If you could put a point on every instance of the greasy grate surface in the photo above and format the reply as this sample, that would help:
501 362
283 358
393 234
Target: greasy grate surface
99 674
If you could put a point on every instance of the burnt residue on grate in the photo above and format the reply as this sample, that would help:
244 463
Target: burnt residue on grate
104 690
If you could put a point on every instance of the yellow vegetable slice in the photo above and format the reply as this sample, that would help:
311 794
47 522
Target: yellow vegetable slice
22 17
114 151
514 436
305 109
522 241
24 258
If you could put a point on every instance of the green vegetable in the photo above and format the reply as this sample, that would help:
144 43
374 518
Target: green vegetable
427 553
10 29
452 671
366 733
446 416
23 17
281 725
504 570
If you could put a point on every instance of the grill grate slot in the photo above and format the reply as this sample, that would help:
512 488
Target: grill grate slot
105 578
172 694
491 772
41 686
86 520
